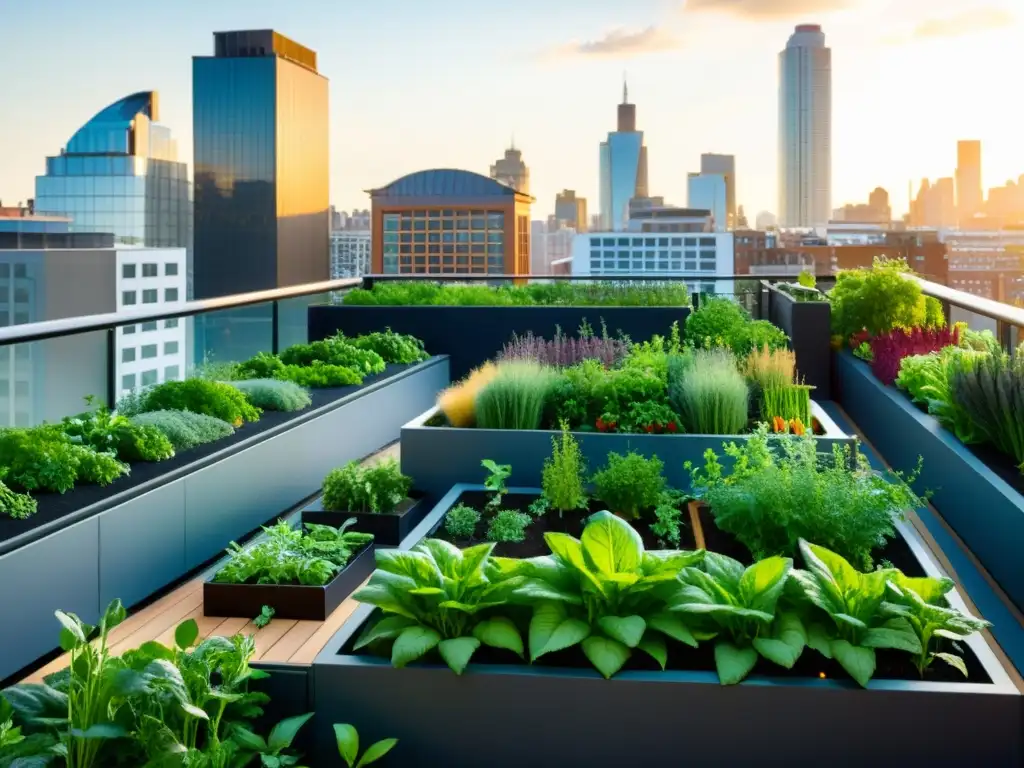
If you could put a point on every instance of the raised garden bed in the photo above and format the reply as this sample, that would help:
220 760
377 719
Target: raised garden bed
807 323
438 457
289 601
155 530
388 529
800 714
472 335
975 498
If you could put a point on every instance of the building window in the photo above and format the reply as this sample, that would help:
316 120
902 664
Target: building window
149 296
170 347
148 351
128 355
149 270
172 373
127 271
150 326
127 330
171 268
172 323
128 381
128 298
148 378
170 294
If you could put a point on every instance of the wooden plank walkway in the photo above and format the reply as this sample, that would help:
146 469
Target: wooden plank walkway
282 641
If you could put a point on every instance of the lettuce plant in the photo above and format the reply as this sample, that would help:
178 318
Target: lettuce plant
928 379
434 596
602 591
915 599
853 602
740 606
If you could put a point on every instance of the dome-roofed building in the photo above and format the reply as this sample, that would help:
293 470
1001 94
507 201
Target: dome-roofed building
450 221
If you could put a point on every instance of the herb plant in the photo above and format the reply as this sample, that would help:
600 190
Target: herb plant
497 474
317 374
396 348
563 351
19 506
928 380
515 397
991 394
630 484
717 322
741 607
561 294
273 394
213 398
563 473
770 368
265 617
434 596
757 334
185 429
668 519
603 592
461 521
508 526
347 740
854 621
108 432
335 351
291 556
378 488
714 396
43 458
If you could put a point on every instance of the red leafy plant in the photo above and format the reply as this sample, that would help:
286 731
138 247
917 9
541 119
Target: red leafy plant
563 351
889 349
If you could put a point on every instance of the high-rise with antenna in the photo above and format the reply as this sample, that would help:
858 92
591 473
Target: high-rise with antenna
623 159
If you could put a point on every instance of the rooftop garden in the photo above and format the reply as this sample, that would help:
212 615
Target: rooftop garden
560 293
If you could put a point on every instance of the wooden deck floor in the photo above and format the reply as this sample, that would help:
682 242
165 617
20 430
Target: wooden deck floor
282 641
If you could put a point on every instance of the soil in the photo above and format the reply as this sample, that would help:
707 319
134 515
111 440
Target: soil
54 506
891 665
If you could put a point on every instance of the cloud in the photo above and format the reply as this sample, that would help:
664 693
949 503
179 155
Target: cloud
966 23
622 44
768 9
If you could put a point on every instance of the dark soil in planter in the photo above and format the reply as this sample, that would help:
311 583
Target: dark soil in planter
571 523
53 506
890 665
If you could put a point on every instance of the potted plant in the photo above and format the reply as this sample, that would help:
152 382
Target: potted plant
376 497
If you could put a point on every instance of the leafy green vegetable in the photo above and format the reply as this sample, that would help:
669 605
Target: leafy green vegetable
108 432
507 525
991 395
629 484
379 487
19 506
928 380
44 458
434 596
265 617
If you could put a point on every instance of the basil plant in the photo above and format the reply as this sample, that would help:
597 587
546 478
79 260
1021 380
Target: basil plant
603 592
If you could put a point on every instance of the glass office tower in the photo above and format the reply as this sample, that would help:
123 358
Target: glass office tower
623 167
120 174
260 127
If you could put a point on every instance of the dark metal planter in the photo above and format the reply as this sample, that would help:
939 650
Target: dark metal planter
472 335
289 601
438 457
512 715
155 534
388 530
983 509
808 325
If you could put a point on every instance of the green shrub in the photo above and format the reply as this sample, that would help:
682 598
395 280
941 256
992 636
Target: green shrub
788 402
334 351
880 299
508 526
573 397
185 429
319 375
515 397
755 335
461 521
213 398
263 365
393 347
106 431
991 394
19 506
928 380
713 398
621 388
630 484
562 476
44 459
274 394
668 519
556 293
716 323
377 488
772 499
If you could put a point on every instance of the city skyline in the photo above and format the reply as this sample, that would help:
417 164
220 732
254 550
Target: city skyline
944 48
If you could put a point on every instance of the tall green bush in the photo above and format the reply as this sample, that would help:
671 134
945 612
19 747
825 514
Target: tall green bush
714 398
562 476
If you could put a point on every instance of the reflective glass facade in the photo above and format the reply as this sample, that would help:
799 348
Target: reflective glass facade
120 174
621 173
260 128
444 240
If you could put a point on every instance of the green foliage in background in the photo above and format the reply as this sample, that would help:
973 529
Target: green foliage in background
461 521
560 293
508 526
713 396
928 380
19 506
110 432
378 488
991 394
185 429
212 398
394 348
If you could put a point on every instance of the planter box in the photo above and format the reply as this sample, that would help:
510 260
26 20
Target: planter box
472 335
438 457
289 601
660 715
983 509
388 530
808 325
141 541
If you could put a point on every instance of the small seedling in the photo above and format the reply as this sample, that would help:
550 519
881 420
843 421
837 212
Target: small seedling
266 614
495 482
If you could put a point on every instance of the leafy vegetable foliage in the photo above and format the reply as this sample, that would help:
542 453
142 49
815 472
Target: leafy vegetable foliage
379 487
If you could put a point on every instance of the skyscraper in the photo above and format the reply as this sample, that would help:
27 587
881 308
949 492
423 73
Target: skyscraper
512 171
725 166
571 209
623 167
969 196
119 174
709 192
260 125
805 129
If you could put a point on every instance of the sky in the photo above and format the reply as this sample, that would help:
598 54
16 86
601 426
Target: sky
448 83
